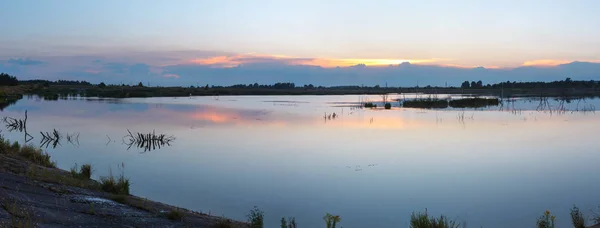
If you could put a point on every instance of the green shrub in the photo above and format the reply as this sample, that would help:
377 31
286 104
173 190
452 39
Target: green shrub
388 106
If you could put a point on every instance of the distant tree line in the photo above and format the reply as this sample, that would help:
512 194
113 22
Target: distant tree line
278 85
48 82
564 84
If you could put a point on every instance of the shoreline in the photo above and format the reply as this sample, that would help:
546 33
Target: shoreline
33 195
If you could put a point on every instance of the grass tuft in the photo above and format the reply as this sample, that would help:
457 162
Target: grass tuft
175 215
422 220
115 185
224 223
577 218
83 172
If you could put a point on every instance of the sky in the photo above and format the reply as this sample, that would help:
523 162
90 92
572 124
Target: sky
227 33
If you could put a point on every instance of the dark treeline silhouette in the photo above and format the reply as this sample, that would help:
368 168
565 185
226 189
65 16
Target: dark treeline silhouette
278 85
59 82
567 83
8 80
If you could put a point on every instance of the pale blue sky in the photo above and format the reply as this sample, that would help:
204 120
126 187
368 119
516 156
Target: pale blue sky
470 33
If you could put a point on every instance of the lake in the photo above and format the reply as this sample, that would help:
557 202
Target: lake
493 167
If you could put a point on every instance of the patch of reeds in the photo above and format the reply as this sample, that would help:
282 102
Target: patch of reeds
290 223
115 185
256 218
577 218
83 172
370 105
422 220
331 221
474 102
149 141
50 138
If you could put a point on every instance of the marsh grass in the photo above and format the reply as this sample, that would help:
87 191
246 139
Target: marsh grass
428 103
27 152
20 216
331 220
256 218
115 185
422 220
290 223
175 215
577 218
224 223
83 172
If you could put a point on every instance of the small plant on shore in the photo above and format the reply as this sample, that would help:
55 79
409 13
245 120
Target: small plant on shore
84 172
577 218
291 223
224 223
546 221
422 220
118 198
331 220
388 106
256 217
175 215
119 186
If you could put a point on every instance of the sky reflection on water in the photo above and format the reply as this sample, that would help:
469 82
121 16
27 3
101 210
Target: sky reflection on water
492 168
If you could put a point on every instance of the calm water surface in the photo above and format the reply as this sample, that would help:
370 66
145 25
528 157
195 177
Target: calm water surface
497 167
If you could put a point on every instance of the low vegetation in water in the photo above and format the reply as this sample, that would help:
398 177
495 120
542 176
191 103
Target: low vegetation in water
370 105
474 102
429 103
388 106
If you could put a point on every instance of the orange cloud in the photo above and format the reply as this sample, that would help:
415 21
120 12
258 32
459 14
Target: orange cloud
545 62
232 61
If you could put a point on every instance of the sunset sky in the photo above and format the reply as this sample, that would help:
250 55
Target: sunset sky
228 33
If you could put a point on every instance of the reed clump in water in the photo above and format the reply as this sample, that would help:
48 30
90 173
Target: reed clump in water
148 141
474 102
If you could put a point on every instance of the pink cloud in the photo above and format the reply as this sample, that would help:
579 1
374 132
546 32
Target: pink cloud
170 76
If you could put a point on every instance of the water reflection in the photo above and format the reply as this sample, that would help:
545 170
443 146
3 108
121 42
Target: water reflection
488 166
148 141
